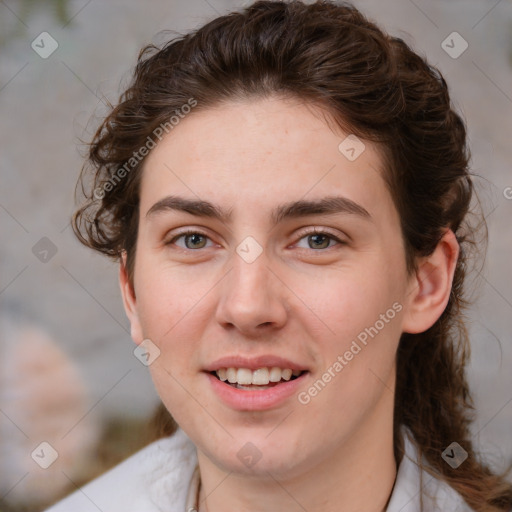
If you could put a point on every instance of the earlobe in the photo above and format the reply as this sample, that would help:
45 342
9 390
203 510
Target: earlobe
431 286
129 301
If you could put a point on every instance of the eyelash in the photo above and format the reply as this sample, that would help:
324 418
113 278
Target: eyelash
301 235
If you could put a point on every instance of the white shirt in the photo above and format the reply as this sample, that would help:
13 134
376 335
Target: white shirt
158 479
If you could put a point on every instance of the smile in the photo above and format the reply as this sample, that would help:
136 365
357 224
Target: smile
256 397
259 379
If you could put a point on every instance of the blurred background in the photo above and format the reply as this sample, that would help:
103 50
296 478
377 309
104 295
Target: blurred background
68 375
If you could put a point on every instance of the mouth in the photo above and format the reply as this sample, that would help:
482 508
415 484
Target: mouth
256 380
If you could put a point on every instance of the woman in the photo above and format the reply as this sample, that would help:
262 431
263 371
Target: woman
286 191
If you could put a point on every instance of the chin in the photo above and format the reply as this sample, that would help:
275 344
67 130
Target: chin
255 453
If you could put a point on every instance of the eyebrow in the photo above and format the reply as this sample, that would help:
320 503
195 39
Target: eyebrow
330 205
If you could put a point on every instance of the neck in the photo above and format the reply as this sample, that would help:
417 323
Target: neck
359 476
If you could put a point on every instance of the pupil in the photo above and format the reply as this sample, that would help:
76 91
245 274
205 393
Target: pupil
320 236
194 238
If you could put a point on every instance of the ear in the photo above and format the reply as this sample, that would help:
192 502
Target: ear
431 285
130 301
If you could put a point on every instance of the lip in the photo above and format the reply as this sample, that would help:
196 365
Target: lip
253 363
249 400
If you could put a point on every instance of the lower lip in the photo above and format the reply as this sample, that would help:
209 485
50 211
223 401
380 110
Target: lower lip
255 400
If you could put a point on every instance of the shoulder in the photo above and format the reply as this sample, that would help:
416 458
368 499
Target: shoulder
154 478
414 484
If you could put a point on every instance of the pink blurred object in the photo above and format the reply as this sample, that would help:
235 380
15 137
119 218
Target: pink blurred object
43 399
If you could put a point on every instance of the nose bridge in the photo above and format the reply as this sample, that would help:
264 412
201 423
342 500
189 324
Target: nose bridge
251 294
250 278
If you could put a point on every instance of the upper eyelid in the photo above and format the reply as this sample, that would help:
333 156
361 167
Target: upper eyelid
319 231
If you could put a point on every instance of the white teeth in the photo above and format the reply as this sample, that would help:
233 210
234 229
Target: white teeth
244 376
275 374
286 374
231 374
259 377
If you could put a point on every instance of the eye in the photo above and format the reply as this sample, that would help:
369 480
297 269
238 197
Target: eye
192 240
317 239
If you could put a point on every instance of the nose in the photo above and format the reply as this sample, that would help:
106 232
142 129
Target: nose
252 298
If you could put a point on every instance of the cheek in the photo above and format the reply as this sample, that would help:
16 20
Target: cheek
167 298
352 301
174 391
363 313
358 361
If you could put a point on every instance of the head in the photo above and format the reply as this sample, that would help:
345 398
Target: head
321 174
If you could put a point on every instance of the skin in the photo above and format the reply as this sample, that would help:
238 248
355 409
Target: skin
303 298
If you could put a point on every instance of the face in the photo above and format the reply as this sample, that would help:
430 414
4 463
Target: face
267 279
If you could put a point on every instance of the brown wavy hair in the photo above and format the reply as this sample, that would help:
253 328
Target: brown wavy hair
370 84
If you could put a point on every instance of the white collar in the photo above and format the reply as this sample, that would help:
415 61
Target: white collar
412 482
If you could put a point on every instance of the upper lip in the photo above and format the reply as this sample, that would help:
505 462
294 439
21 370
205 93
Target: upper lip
253 363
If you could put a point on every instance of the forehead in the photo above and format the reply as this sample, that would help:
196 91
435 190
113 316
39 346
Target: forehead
258 154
